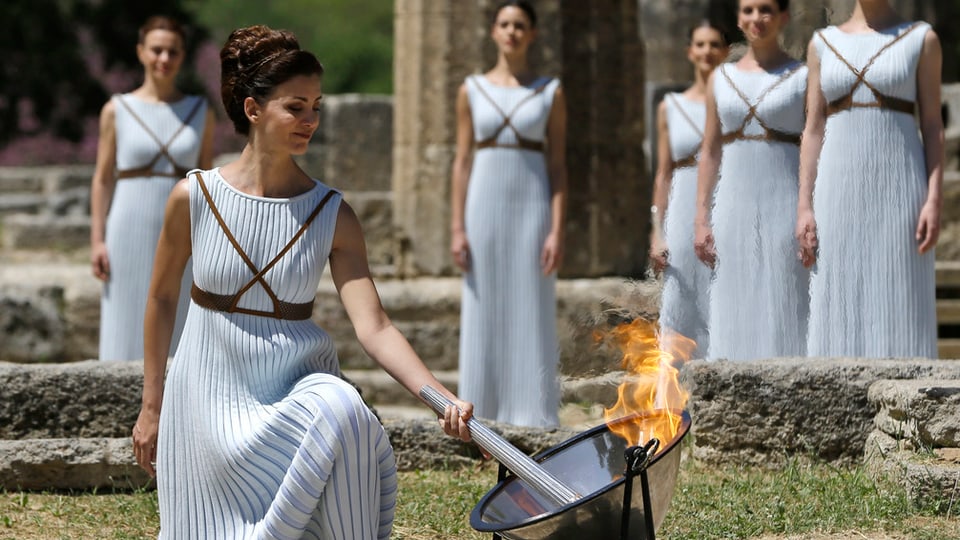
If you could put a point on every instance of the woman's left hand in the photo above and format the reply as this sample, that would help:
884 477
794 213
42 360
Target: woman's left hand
552 254
928 227
454 420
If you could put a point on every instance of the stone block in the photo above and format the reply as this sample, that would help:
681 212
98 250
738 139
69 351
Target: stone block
356 134
89 399
21 180
59 233
931 479
12 204
70 464
31 324
763 412
925 411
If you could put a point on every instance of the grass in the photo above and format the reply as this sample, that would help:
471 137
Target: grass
801 500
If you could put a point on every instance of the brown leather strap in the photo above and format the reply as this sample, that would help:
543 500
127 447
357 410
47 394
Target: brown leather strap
147 170
689 161
522 143
225 302
769 133
883 101
279 306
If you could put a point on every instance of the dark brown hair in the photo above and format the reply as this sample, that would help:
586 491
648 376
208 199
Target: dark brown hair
524 6
708 23
253 62
161 22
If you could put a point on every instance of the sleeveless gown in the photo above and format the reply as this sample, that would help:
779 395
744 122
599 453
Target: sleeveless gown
509 349
759 298
259 437
872 294
684 306
136 212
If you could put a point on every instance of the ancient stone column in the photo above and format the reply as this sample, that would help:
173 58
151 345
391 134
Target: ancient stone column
595 48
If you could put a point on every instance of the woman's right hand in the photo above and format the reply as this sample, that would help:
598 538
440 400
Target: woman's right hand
145 440
100 261
806 234
658 254
704 246
460 249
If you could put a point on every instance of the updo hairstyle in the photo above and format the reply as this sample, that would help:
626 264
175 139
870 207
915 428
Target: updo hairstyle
253 62
524 6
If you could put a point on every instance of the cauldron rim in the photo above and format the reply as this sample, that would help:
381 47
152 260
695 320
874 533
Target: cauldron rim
476 520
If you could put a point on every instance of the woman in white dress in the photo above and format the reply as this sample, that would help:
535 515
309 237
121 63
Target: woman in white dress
746 196
149 138
871 181
684 305
258 436
509 190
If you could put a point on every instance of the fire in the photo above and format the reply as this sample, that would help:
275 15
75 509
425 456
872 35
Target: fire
650 398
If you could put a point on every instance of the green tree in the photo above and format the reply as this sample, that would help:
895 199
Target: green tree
352 38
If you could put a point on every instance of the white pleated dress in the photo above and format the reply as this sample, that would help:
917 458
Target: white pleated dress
259 437
684 305
135 216
872 294
509 350
759 297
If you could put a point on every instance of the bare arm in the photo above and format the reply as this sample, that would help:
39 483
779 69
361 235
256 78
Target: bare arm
101 191
375 332
931 126
711 153
205 160
552 254
811 143
661 190
173 250
462 163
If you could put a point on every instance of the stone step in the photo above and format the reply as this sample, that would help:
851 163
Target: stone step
948 311
949 348
948 274
924 411
44 232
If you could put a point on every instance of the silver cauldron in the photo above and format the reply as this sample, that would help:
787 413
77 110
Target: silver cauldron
593 464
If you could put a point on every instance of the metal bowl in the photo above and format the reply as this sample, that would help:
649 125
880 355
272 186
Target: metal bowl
591 463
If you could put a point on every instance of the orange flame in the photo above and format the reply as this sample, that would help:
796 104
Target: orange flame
650 398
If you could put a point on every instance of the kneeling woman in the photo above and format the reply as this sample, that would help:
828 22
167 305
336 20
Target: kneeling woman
258 437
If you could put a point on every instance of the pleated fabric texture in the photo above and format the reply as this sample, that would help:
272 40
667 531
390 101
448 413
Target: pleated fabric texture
685 302
759 298
872 294
135 216
508 326
259 437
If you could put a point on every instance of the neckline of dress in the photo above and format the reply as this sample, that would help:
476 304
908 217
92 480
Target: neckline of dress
779 70
532 86
138 99
219 177
888 31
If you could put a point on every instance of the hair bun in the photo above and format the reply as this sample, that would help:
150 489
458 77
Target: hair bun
255 59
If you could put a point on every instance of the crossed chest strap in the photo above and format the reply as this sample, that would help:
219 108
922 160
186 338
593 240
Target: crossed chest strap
229 302
769 133
883 101
179 171
689 160
522 142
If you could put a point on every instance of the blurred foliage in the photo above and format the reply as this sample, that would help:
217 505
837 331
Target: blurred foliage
59 57
352 38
